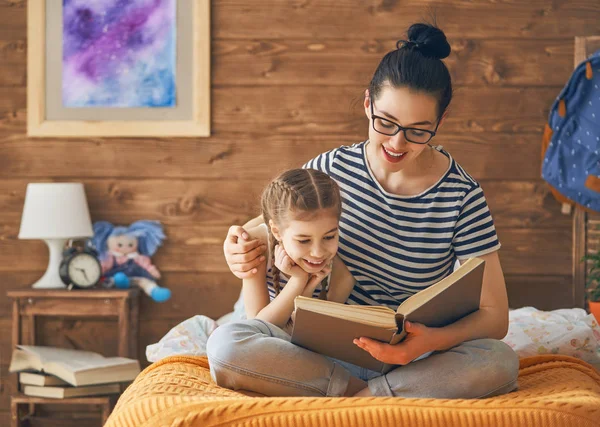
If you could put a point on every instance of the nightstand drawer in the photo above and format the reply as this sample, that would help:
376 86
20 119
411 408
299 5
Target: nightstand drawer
59 306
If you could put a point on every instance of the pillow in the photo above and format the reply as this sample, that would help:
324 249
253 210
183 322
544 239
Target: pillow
190 336
571 332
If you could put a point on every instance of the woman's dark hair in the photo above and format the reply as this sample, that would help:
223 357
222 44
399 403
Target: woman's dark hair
416 64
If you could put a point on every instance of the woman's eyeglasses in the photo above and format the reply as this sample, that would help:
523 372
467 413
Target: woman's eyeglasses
389 128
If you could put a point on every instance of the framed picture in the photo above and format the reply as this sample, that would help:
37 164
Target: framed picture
115 68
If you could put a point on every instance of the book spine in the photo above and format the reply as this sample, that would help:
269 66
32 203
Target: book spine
398 336
399 321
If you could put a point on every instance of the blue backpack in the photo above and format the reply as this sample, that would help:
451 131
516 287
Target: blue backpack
571 142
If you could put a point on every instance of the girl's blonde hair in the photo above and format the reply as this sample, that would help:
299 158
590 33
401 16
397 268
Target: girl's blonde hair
298 194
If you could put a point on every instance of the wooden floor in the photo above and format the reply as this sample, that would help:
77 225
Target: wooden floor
287 83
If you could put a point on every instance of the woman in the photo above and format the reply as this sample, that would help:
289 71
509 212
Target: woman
409 212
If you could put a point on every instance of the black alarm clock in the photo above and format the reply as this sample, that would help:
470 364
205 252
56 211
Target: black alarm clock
80 267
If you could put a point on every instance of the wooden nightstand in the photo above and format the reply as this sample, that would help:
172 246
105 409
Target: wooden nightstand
109 303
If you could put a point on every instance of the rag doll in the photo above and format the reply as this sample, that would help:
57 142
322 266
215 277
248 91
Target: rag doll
125 255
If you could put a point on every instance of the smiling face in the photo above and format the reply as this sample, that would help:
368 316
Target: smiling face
311 243
122 244
407 108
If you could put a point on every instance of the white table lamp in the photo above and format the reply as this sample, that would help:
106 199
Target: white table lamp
55 213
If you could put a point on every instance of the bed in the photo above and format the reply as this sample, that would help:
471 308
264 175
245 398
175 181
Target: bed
178 392
554 389
559 376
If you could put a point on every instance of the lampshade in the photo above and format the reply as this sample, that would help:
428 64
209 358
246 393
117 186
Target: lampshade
55 211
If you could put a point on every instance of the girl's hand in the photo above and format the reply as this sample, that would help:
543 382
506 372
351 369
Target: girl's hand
315 279
285 264
419 341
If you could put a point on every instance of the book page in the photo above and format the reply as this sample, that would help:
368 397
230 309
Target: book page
55 354
369 315
323 305
73 360
78 365
416 300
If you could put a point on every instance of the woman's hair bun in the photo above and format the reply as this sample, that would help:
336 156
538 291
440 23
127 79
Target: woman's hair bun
429 40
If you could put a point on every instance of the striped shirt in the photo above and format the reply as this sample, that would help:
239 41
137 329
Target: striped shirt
396 246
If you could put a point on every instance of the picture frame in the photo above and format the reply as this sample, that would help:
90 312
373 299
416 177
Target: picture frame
188 116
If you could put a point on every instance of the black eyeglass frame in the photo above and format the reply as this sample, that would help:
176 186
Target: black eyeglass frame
402 128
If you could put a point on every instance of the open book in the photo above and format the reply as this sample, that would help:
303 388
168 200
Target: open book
329 328
77 367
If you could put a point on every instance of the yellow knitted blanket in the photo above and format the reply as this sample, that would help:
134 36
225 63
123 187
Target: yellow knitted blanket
178 391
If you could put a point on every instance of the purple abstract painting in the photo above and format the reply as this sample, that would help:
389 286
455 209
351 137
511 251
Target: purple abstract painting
119 53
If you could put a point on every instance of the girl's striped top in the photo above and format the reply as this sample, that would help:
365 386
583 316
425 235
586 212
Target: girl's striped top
395 246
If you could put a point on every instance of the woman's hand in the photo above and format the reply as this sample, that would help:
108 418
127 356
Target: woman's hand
242 254
287 266
420 340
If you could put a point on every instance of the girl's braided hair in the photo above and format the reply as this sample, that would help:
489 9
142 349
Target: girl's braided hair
297 194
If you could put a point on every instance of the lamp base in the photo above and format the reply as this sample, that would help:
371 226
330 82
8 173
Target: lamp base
51 279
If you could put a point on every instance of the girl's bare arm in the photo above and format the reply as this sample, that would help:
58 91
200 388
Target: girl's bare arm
340 283
255 291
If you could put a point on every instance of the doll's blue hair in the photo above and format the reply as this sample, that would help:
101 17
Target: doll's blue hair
149 235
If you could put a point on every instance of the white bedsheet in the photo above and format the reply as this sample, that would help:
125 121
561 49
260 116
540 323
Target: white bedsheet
190 336
571 332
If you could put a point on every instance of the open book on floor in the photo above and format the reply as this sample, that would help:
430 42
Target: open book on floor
329 328
76 367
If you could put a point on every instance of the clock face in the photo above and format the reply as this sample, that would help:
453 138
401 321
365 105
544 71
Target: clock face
84 270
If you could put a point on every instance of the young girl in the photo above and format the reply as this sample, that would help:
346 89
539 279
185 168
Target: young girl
301 210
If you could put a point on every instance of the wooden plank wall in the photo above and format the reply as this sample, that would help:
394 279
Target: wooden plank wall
287 82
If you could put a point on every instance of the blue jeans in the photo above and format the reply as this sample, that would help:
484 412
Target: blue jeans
258 356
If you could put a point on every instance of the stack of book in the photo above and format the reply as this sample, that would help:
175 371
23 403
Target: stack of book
62 373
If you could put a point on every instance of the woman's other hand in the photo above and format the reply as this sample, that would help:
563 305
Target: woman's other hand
242 253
